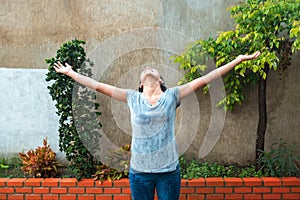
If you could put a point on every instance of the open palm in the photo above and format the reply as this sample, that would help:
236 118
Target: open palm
60 68
249 57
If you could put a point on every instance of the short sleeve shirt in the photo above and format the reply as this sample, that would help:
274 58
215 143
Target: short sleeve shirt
153 147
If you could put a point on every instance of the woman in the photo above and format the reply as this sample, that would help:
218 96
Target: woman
154 156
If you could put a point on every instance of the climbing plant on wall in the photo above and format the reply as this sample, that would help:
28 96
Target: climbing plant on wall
74 106
269 26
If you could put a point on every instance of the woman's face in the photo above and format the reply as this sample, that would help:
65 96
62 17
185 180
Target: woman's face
149 72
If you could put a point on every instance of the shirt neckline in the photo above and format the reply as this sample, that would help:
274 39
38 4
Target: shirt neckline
157 101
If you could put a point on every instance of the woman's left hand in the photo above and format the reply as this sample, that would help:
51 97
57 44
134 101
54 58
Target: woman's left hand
248 57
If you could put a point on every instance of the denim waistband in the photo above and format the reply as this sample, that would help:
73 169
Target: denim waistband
133 171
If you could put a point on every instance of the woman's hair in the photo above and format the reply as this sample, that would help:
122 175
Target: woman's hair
163 86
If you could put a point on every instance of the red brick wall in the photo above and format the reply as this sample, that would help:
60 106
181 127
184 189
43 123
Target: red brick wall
88 189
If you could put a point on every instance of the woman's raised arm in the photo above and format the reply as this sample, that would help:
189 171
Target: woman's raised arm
109 90
194 85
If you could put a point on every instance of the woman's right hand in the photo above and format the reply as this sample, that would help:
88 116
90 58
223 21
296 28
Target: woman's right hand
60 68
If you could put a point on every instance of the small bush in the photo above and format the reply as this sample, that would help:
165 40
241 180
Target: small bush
249 171
3 166
197 169
11 167
119 158
40 162
281 160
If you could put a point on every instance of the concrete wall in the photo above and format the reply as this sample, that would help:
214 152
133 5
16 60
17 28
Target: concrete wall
33 30
27 111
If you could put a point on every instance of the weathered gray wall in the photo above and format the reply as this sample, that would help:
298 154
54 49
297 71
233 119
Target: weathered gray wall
33 30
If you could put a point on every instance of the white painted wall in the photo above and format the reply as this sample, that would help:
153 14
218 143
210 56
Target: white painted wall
27 112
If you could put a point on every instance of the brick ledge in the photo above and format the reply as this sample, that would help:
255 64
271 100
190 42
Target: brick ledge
194 189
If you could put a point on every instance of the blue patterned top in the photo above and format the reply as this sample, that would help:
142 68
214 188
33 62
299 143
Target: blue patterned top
153 147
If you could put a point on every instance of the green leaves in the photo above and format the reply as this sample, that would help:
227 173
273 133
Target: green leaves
75 105
281 160
261 25
120 158
295 34
196 169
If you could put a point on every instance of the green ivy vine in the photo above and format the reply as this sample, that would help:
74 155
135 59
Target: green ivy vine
74 105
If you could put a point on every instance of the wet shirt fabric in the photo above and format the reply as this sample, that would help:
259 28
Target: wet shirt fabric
154 147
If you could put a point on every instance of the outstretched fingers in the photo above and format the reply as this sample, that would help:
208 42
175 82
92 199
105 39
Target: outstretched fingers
256 54
250 57
57 66
61 68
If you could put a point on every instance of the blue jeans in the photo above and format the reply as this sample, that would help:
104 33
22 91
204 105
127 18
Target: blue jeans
167 185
